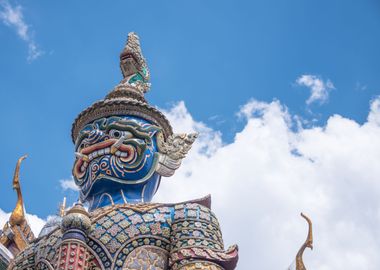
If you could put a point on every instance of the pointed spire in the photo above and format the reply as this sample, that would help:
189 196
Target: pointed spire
128 97
135 71
18 214
131 59
62 208
308 244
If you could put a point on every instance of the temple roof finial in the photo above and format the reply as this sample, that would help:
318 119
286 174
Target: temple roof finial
308 244
16 234
18 214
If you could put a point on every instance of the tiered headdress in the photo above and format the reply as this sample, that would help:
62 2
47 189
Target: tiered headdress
127 98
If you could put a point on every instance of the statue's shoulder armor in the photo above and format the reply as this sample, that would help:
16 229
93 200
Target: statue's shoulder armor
168 236
196 237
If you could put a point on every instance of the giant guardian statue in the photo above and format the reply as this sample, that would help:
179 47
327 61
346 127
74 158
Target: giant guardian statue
123 147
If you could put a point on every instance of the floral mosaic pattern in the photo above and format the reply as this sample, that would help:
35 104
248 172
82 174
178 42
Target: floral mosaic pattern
121 234
147 258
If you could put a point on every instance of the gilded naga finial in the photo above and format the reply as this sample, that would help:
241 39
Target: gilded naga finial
308 244
18 214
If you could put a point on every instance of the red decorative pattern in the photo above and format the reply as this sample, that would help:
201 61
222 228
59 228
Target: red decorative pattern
73 256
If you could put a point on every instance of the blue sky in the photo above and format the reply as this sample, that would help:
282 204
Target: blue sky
214 55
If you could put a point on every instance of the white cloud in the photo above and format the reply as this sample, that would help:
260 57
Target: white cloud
34 221
13 17
209 140
68 184
374 114
270 173
319 89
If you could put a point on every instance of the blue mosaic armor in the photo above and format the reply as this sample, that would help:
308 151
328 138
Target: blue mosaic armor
159 236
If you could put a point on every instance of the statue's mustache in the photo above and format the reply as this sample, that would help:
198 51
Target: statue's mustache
127 150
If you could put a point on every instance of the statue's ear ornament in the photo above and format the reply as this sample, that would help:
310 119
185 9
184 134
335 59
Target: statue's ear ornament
172 151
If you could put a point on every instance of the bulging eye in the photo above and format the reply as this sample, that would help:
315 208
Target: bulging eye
81 146
115 133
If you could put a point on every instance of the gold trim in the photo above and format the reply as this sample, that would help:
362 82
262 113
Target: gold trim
201 265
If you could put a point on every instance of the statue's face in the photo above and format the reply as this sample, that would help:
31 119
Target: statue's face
121 149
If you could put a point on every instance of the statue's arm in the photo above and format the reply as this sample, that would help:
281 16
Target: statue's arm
197 241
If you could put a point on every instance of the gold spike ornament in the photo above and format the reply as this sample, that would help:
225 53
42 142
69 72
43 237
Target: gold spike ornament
308 244
18 214
62 208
